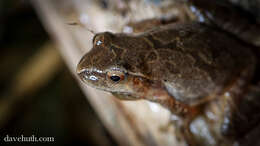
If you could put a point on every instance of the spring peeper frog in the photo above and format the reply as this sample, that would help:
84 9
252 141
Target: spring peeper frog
180 65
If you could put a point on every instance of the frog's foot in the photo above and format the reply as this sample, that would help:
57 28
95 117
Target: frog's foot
244 117
178 127
188 135
181 129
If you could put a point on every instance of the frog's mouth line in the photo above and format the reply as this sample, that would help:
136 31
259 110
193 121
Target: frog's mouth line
120 95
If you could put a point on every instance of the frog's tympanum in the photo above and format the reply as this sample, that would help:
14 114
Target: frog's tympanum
182 66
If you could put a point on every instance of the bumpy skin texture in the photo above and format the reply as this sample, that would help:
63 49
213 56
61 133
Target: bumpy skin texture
190 61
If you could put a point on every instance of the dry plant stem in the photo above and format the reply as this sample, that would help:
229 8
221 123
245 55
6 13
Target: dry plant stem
131 123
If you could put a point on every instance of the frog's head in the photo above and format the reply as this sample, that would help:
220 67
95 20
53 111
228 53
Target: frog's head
103 68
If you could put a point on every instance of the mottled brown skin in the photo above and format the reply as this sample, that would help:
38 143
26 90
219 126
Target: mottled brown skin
178 65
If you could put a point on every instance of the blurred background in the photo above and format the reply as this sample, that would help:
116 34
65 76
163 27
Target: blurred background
38 95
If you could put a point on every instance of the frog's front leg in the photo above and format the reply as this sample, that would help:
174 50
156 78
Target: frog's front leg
185 115
156 92
181 128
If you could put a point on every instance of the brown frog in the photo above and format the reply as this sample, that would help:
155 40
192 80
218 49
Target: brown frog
182 66
178 64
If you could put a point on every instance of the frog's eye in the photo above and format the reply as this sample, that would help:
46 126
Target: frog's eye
115 76
98 40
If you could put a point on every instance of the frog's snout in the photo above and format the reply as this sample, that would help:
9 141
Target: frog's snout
81 66
90 75
82 71
79 69
87 76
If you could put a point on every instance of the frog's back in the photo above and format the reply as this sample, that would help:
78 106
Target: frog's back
194 60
